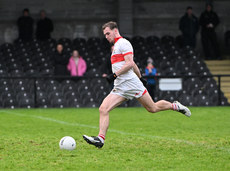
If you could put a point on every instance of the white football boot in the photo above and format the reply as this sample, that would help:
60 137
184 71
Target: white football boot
182 109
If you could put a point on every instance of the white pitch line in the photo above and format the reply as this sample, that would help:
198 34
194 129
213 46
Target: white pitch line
51 119
117 131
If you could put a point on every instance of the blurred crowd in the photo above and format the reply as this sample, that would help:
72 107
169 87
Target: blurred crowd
189 25
75 65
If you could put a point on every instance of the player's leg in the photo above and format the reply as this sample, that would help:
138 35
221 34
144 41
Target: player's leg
152 107
161 105
109 103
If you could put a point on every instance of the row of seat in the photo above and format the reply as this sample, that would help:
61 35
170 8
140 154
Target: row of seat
91 92
27 101
178 62
35 59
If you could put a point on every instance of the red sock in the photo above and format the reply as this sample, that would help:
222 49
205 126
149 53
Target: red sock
102 136
174 106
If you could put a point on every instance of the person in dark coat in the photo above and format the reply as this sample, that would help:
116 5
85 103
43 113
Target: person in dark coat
209 21
189 26
106 67
25 26
44 27
60 61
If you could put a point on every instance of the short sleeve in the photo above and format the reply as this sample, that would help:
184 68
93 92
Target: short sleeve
126 47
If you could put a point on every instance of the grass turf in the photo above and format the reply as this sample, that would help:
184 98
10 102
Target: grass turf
136 140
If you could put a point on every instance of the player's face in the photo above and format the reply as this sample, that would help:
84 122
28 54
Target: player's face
109 34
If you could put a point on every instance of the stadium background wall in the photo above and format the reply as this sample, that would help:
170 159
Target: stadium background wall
83 18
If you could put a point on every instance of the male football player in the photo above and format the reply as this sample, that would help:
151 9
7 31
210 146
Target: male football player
128 84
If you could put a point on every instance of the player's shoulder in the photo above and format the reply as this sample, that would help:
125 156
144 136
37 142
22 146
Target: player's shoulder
124 41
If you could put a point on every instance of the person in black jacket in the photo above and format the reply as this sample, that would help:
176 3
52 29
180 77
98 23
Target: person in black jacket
189 27
60 61
25 26
106 67
44 27
208 21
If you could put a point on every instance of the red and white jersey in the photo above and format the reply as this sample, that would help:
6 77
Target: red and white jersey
122 47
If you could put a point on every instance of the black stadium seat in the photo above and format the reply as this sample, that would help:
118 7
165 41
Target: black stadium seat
9 103
34 58
26 102
74 102
58 103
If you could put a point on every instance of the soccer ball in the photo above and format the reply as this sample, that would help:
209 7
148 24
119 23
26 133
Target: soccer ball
67 143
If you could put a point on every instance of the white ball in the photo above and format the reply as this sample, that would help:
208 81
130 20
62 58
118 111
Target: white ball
67 143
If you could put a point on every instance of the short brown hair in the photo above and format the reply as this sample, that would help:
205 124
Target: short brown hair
111 24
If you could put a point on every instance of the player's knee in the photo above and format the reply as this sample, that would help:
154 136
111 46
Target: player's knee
103 110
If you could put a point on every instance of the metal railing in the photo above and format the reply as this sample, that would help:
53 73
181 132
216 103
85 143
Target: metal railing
35 78
219 76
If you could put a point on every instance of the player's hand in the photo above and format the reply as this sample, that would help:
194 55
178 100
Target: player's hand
110 78
143 81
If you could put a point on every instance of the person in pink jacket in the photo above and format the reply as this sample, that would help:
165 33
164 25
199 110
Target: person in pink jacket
77 65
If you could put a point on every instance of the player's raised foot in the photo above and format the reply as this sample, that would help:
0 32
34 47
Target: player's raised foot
182 109
93 141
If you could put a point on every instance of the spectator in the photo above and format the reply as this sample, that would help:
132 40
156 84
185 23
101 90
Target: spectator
106 67
227 38
60 61
25 26
77 65
208 21
189 27
150 70
44 27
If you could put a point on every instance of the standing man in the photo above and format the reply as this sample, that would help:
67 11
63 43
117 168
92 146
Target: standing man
44 27
189 27
127 84
60 61
106 67
208 21
25 26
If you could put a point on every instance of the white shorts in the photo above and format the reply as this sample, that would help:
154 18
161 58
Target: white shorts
130 89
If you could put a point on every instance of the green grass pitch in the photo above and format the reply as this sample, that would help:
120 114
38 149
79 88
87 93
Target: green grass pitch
136 140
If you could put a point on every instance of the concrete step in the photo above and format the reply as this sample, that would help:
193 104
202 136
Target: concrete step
225 84
227 95
223 79
220 72
219 67
218 62
225 89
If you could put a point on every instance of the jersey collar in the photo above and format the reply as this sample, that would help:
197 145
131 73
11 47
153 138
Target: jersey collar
116 39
